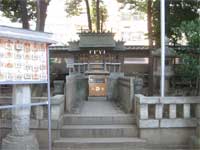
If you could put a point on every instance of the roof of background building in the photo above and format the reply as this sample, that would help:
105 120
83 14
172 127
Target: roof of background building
24 34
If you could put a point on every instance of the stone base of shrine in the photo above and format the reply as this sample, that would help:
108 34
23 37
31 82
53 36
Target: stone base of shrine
26 142
195 142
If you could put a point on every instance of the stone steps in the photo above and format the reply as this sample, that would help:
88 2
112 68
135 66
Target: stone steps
99 131
120 142
70 119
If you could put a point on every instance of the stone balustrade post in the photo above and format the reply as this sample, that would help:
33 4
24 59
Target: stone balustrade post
79 68
197 140
20 137
138 83
58 87
172 111
144 111
105 69
88 66
120 68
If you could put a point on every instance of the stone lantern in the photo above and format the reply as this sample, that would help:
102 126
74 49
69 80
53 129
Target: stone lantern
169 68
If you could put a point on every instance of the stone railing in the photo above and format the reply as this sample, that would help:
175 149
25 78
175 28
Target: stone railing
80 67
113 67
39 114
126 93
123 89
83 67
112 86
167 112
76 92
38 119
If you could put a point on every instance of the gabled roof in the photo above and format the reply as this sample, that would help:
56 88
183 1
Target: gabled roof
24 34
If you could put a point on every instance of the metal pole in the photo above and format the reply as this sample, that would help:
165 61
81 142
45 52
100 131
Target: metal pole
49 104
23 105
162 16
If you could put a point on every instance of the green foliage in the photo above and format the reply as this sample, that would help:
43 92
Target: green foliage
192 32
11 9
73 7
139 5
190 67
177 11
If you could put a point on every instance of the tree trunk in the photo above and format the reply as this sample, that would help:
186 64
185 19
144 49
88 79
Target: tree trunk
88 15
149 20
41 14
37 90
102 21
98 16
24 14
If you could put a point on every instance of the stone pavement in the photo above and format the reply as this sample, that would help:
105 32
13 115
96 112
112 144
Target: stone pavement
122 149
99 106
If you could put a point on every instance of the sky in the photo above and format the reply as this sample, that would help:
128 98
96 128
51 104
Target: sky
64 29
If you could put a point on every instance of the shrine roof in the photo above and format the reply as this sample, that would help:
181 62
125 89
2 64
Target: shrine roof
127 47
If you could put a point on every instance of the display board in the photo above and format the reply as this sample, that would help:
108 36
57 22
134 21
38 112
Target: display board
23 61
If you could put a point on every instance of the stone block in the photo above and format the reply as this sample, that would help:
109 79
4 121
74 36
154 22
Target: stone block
159 111
75 92
186 110
57 107
149 123
55 124
143 111
34 124
5 123
167 136
26 142
38 112
172 111
178 123
58 87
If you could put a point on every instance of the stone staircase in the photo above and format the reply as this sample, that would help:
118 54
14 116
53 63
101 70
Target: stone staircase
98 131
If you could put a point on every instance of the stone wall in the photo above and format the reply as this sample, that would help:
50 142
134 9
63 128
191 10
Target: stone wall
125 93
168 136
112 86
76 92
123 89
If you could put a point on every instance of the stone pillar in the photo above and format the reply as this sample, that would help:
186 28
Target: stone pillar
138 86
20 137
196 141
112 92
58 87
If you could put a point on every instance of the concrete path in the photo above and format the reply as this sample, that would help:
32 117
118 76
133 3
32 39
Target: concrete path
99 106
